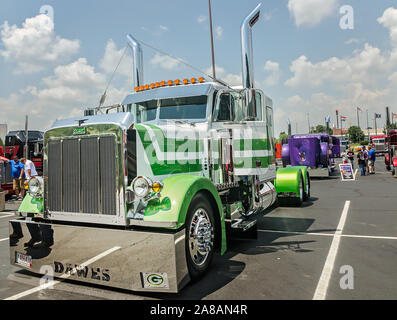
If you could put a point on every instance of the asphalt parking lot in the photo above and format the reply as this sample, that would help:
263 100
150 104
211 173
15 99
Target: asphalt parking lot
342 244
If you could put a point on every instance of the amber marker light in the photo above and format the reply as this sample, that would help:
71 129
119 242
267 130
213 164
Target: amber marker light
185 81
193 80
136 89
162 83
157 187
201 79
141 88
177 82
146 87
152 85
157 84
170 82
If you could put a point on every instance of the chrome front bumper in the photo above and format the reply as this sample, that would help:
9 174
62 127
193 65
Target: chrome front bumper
127 259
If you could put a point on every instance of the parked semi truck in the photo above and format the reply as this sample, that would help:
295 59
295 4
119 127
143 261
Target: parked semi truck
311 150
391 155
15 142
379 143
141 198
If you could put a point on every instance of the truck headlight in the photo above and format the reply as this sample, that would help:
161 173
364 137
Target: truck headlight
141 186
35 187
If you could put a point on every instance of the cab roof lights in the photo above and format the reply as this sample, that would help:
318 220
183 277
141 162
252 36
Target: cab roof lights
170 83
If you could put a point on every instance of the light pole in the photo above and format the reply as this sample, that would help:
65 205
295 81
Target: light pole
212 40
308 121
376 129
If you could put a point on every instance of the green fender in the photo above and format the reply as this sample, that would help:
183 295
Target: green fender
287 180
304 173
31 204
175 198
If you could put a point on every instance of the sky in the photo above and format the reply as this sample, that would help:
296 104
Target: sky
312 57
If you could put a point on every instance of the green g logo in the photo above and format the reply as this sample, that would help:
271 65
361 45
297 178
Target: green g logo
155 279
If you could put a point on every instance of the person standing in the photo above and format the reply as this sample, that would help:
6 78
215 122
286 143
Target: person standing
30 169
371 160
18 177
365 151
361 161
350 156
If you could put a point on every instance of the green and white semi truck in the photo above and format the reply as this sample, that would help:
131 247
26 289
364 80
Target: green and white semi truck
142 198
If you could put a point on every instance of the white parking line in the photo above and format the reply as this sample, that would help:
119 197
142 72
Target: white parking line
64 276
6 215
322 286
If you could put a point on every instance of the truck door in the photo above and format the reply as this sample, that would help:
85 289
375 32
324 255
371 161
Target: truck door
223 123
249 149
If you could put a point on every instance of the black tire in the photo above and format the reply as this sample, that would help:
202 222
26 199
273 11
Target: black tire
306 195
199 214
388 168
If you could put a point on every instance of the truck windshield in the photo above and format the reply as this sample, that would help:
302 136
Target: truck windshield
184 108
144 111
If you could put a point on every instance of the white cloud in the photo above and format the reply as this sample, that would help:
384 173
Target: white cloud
230 78
275 75
218 32
70 89
164 62
35 45
389 20
367 78
352 40
311 12
71 82
112 57
201 18
364 66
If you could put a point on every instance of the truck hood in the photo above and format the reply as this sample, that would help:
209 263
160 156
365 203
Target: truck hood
122 119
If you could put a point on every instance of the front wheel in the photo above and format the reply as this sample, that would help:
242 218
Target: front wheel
200 236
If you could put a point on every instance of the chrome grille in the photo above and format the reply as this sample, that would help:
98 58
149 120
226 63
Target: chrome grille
82 175
380 147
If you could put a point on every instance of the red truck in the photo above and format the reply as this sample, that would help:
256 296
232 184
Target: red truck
379 143
391 155
14 146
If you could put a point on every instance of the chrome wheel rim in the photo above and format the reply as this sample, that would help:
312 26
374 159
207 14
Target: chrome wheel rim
201 235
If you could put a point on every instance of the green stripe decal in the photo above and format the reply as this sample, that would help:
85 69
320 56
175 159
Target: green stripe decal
251 144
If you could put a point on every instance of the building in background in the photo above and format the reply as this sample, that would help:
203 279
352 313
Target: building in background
3 132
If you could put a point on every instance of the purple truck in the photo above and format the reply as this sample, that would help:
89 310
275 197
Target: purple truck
315 151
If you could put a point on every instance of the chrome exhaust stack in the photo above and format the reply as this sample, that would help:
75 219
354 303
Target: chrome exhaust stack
137 60
246 47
